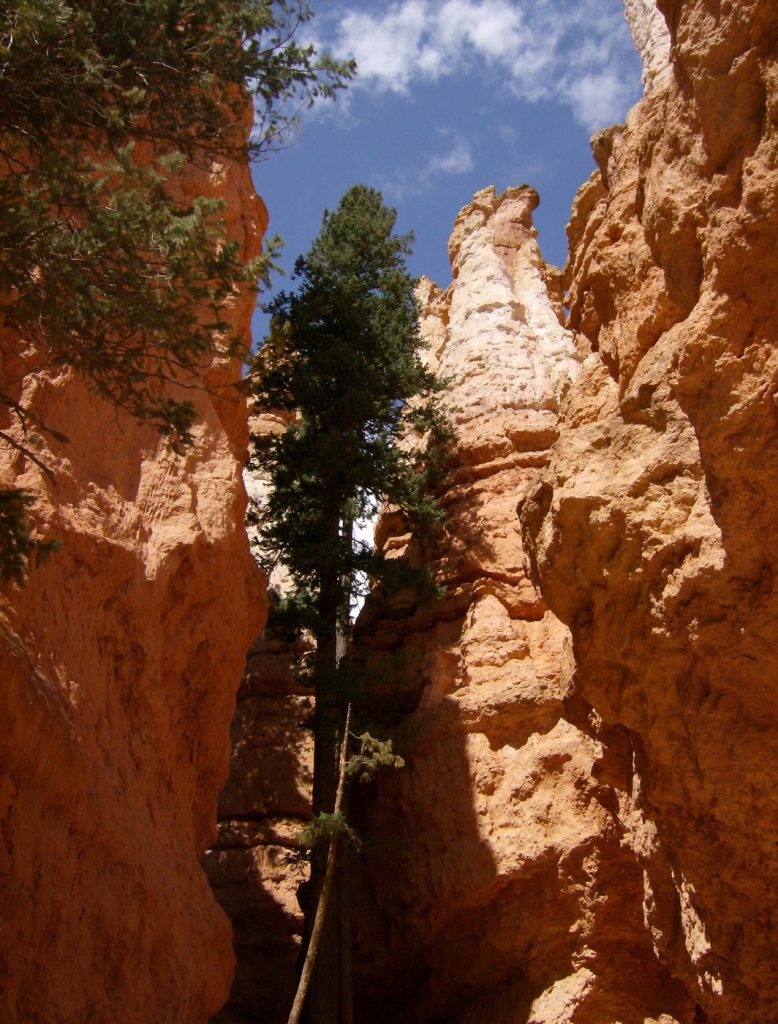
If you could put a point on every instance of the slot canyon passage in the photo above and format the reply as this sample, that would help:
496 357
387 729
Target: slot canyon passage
585 830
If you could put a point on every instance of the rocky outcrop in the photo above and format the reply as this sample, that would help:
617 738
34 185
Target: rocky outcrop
496 886
652 530
119 662
652 40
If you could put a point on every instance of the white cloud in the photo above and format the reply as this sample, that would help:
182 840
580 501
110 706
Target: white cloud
595 98
487 28
509 133
386 48
495 30
572 52
456 157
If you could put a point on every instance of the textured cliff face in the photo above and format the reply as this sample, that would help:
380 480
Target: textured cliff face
652 40
496 887
119 662
584 829
652 531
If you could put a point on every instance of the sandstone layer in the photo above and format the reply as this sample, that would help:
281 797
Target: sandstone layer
652 532
119 662
496 886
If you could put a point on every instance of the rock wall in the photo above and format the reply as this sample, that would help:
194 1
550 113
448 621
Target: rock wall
583 832
584 829
119 662
652 532
651 38
496 886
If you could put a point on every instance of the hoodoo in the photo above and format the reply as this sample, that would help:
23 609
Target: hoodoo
583 831
498 887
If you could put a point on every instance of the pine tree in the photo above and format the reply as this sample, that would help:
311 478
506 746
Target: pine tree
344 361
104 266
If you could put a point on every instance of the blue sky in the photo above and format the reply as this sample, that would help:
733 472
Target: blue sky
452 96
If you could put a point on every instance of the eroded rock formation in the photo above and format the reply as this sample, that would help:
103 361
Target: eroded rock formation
627 874
652 531
584 829
496 887
119 662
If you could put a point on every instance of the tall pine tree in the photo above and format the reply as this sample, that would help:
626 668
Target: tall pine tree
344 361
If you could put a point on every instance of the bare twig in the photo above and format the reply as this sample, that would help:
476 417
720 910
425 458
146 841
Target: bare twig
26 451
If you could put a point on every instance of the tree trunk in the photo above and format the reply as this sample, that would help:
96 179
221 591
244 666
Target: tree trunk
344 925
324 999
323 906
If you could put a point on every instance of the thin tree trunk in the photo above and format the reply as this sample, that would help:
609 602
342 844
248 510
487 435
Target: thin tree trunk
346 967
326 889
343 632
343 907
322 1005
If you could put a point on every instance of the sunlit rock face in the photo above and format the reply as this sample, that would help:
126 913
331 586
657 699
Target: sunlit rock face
652 39
652 532
119 662
495 885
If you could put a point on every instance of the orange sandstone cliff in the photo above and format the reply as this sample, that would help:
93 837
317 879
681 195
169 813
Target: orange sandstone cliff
585 829
119 662
652 532
495 885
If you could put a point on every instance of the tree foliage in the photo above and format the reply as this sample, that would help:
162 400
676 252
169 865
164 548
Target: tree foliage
343 362
105 265
17 547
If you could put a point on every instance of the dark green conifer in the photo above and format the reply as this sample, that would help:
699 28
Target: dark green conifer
105 265
344 361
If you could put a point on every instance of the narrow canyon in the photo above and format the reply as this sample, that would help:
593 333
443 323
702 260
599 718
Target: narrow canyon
584 829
